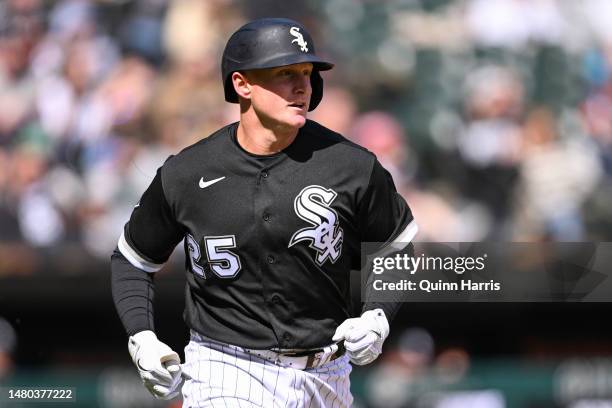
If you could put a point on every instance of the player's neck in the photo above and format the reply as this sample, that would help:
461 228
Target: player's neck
258 139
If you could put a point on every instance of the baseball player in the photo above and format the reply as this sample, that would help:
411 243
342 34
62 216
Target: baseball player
272 211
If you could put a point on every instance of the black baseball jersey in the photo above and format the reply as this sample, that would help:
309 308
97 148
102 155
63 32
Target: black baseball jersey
270 240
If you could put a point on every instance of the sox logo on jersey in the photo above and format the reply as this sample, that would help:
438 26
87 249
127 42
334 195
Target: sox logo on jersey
325 236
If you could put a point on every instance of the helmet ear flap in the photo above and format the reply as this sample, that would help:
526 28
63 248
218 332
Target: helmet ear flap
230 92
316 83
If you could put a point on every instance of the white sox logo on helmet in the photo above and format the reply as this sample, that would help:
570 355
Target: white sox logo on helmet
325 236
299 38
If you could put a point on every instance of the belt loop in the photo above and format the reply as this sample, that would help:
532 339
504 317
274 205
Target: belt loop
310 361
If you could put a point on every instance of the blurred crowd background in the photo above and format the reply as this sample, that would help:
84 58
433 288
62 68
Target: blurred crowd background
494 117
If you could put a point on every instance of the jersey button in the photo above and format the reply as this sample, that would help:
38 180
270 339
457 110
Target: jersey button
276 300
266 217
264 174
271 259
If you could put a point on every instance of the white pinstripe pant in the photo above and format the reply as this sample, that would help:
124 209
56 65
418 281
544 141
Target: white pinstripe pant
222 376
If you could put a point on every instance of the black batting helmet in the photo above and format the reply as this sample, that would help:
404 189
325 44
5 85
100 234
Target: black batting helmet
269 43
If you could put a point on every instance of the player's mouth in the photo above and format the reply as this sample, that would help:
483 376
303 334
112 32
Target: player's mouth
299 105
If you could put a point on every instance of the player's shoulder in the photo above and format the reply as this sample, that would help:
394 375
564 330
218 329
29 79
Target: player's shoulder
205 154
336 142
206 150
208 146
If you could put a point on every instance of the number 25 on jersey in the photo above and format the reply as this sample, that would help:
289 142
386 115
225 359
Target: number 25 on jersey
223 262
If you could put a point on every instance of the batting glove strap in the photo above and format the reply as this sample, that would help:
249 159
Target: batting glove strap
378 322
158 365
364 336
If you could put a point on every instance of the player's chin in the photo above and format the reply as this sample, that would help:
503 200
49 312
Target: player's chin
296 119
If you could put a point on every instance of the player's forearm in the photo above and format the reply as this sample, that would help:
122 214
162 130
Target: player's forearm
133 293
393 300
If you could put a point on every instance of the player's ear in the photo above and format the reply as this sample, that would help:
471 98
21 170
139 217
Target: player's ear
241 85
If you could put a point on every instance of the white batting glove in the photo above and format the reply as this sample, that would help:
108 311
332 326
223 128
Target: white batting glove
363 336
158 365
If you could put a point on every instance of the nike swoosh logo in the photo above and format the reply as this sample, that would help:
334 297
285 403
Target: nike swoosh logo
204 184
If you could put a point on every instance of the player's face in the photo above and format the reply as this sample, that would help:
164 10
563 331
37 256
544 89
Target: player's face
281 96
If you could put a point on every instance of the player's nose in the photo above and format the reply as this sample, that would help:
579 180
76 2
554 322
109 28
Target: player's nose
302 83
